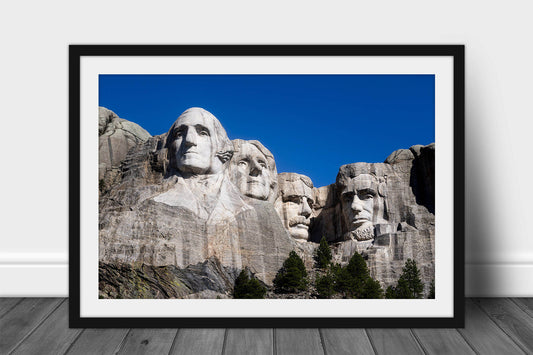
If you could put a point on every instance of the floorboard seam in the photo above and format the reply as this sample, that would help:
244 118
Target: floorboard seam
371 341
225 341
274 345
417 340
522 306
122 342
13 306
174 342
504 332
467 342
37 326
73 342
322 342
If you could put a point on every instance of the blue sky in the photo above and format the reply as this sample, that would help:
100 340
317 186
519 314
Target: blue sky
312 124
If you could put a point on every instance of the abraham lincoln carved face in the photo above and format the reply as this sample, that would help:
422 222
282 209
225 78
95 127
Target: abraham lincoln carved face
357 201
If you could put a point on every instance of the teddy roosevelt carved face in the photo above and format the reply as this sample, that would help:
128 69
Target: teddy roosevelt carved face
295 203
198 143
357 199
254 169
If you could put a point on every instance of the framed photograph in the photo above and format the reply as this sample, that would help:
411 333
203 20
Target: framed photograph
266 186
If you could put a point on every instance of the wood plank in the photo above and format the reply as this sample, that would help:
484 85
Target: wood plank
484 335
513 320
249 341
199 341
23 319
148 341
394 341
53 336
526 304
346 341
442 341
6 304
298 341
98 341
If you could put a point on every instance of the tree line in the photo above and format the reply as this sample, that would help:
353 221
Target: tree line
333 280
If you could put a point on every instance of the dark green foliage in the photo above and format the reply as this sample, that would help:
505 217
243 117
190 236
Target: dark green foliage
432 289
372 289
323 255
343 279
248 287
357 267
409 284
325 285
402 289
292 277
354 280
390 293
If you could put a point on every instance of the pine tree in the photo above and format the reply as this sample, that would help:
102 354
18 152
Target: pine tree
325 285
292 277
432 289
359 274
391 292
372 289
409 284
354 280
323 255
248 287
341 279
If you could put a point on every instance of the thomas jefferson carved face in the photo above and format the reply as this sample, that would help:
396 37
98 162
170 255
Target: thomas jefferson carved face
296 194
357 199
196 139
254 169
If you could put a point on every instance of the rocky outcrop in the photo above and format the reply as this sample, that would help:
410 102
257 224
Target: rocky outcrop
116 137
208 279
153 223
165 232
402 214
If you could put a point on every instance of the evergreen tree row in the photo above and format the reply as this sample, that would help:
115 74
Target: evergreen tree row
350 281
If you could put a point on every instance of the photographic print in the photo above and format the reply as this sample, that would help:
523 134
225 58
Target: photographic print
254 189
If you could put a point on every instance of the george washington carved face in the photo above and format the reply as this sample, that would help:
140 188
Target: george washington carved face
198 143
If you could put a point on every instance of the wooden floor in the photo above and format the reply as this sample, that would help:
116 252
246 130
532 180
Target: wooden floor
40 326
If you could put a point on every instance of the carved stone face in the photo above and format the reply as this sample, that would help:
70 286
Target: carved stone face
357 200
252 172
295 207
193 142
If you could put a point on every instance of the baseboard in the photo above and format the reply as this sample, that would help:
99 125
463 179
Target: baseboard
499 280
34 274
34 280
48 277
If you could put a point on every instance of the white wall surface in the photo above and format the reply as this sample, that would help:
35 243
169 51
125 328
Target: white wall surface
34 110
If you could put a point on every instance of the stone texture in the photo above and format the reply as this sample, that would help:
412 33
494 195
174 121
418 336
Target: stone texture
174 224
253 170
159 216
294 204
116 136
402 214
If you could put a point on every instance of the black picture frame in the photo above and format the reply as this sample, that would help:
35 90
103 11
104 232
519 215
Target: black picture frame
78 52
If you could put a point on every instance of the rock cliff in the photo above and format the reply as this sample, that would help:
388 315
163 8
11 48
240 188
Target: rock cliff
116 136
164 233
